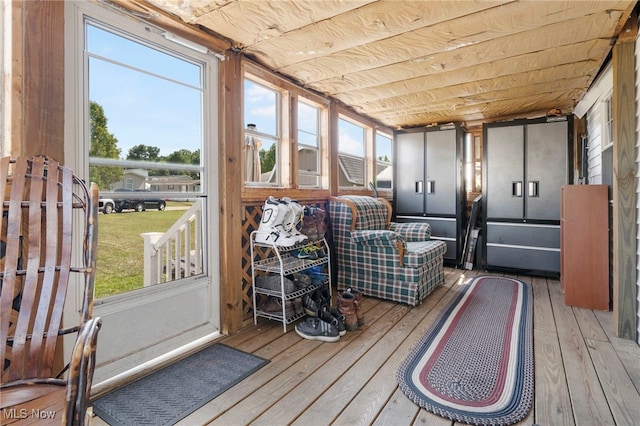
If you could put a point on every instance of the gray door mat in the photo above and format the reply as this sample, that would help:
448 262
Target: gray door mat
172 393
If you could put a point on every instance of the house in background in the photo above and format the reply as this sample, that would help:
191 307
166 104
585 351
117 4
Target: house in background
178 184
133 180
140 180
352 172
384 178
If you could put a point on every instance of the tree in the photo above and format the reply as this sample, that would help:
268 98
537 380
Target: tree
268 158
103 145
184 156
144 152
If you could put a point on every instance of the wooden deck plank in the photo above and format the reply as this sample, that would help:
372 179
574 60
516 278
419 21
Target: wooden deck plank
398 411
329 404
621 394
278 366
589 325
425 417
283 351
263 398
264 333
552 404
286 410
589 403
542 312
628 351
364 408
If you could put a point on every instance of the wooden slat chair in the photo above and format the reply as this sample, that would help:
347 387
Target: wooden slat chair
44 207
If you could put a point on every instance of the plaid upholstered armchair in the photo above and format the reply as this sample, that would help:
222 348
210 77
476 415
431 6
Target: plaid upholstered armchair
394 261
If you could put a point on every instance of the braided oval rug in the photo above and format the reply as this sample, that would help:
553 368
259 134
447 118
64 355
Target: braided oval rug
475 363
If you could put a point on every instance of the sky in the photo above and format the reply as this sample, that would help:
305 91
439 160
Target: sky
148 97
153 98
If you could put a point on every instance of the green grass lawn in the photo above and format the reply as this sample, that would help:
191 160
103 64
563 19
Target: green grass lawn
121 248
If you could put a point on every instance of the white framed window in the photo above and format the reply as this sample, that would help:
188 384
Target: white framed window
128 183
309 154
285 134
352 160
384 161
262 134
607 125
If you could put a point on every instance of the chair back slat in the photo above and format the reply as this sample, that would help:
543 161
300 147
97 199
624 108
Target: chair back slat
10 294
29 226
43 245
63 249
41 200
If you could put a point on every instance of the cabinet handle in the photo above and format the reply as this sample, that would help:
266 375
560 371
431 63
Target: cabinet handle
534 188
419 187
431 187
516 189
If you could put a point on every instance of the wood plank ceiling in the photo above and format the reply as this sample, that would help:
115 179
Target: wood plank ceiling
415 63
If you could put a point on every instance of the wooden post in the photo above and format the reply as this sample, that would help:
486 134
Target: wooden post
231 179
624 183
37 92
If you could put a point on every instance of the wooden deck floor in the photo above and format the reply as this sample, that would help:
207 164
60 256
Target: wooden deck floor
584 375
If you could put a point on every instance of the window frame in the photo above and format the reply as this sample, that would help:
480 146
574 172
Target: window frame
318 148
371 128
389 163
607 122
366 147
290 95
281 174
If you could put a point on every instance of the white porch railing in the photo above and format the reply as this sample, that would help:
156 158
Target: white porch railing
176 253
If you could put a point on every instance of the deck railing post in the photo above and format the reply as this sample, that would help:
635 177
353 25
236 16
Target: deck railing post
151 257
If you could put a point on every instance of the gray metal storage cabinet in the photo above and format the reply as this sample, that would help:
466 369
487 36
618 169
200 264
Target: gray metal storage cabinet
525 165
429 184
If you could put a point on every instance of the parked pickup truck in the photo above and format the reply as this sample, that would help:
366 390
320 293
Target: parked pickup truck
106 205
128 200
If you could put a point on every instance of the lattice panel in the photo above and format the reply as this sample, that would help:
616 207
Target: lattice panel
252 217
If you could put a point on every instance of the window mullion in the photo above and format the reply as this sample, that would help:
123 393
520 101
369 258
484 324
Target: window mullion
370 156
